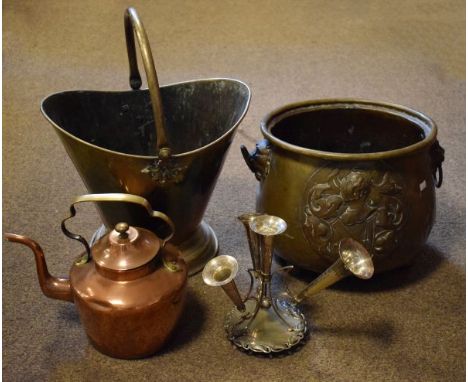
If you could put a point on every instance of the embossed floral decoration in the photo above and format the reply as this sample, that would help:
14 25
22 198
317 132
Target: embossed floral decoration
358 203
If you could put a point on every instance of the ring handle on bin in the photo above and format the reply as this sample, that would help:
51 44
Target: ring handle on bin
437 157
117 197
133 25
258 160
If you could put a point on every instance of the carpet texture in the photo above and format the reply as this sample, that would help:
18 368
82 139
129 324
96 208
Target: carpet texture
406 325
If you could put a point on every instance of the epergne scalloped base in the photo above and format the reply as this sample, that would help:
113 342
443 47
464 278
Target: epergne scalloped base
279 327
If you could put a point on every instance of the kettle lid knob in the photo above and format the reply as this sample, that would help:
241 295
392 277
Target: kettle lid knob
125 248
122 229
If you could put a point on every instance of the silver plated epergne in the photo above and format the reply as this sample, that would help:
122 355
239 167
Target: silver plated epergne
263 322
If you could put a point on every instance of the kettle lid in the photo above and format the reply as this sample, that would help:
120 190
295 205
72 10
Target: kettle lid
126 248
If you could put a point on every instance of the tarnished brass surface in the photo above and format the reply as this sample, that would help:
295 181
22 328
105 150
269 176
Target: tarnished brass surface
336 169
129 292
112 140
133 24
121 198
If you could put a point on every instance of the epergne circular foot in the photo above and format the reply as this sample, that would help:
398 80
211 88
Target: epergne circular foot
274 329
267 323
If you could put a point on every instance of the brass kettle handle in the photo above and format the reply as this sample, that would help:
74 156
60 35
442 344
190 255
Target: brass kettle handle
117 197
133 25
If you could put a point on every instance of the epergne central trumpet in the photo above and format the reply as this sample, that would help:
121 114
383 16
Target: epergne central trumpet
262 322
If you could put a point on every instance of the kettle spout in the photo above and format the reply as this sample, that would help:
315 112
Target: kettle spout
53 287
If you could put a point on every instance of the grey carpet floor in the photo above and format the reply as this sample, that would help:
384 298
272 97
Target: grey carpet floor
407 325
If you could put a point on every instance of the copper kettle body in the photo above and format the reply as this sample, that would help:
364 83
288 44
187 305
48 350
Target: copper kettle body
129 288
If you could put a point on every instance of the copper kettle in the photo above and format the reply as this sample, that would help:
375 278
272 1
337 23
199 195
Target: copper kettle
129 287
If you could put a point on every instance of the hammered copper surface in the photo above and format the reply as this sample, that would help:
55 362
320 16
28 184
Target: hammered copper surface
128 313
131 319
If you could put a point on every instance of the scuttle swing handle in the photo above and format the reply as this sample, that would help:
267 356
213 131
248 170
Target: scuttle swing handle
133 25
